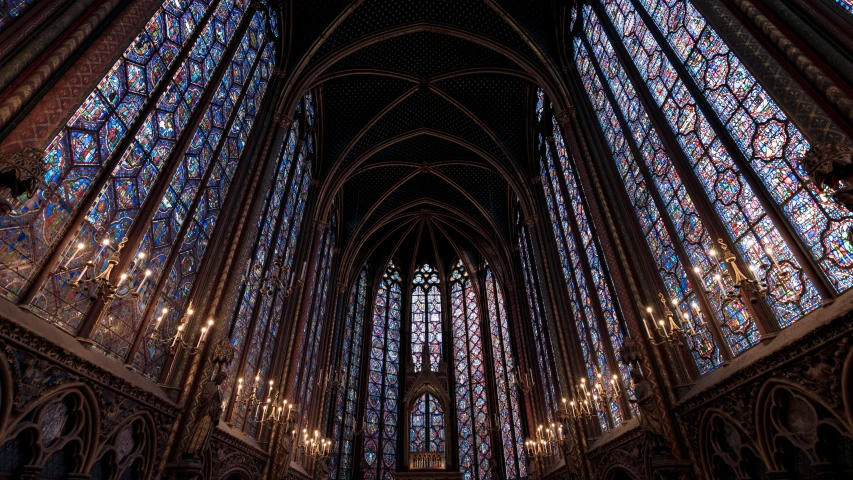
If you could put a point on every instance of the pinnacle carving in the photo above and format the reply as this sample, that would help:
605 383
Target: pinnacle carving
20 176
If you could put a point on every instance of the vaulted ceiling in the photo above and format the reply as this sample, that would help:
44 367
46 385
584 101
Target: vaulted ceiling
425 110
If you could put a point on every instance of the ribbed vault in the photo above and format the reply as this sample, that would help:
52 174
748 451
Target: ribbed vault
425 110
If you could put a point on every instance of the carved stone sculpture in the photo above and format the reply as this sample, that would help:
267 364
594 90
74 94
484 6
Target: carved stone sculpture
20 177
207 418
831 166
321 469
651 423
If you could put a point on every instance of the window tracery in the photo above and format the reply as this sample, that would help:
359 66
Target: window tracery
426 316
475 455
383 383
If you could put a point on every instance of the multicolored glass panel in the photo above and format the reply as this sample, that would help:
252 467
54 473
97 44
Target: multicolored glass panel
770 142
383 382
426 432
726 188
343 431
739 328
508 395
475 455
119 202
76 156
125 315
426 317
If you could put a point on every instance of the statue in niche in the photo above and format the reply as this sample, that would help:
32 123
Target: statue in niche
207 418
651 423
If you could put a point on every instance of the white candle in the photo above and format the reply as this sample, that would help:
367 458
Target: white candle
74 254
772 257
142 283
201 337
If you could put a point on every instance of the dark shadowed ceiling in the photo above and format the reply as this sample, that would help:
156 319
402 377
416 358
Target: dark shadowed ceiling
426 111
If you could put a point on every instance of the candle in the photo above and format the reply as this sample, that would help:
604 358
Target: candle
648 332
772 257
565 407
663 328
201 337
178 335
74 254
104 244
83 272
719 280
572 403
142 283
121 279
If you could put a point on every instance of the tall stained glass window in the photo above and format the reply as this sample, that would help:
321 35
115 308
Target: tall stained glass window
538 325
268 277
383 383
595 308
426 316
508 395
426 432
139 174
475 455
307 379
705 153
343 431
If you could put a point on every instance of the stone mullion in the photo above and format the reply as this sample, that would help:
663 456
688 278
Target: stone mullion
764 319
189 219
491 381
773 210
695 279
110 164
96 30
363 374
592 288
405 358
149 207
802 64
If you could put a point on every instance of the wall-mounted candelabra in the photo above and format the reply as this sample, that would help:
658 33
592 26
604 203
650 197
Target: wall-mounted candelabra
542 446
96 278
673 327
177 342
524 381
730 283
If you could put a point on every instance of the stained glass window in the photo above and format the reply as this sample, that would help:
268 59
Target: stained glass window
383 383
114 214
768 148
182 195
426 432
343 431
308 380
769 141
268 278
538 325
508 395
696 242
426 316
475 456
574 235
197 236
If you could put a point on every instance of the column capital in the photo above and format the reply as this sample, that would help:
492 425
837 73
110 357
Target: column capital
283 121
563 117
531 221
